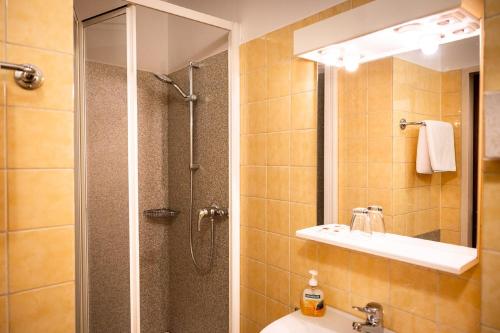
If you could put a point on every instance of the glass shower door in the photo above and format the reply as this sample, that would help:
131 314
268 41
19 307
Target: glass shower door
106 159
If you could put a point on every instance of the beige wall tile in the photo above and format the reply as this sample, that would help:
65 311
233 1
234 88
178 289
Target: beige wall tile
248 326
304 148
57 90
253 181
4 320
253 274
380 175
41 257
333 266
490 230
301 216
254 118
278 77
450 196
2 20
379 98
414 289
3 264
39 139
370 277
278 253
257 85
50 309
304 110
278 183
459 296
253 243
2 131
279 114
3 200
275 310
451 81
380 150
47 193
379 125
401 321
256 54
253 305
303 184
278 152
492 8
303 256
278 216
297 285
278 284
491 54
279 45
490 284
37 25
303 75
450 219
253 212
253 149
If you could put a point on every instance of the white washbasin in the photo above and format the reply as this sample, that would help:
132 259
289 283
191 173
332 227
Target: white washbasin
334 321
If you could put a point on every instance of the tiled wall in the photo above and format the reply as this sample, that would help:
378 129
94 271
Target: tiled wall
451 112
416 91
277 93
365 139
490 227
37 205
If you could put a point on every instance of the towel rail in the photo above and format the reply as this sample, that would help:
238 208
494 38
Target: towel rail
27 76
403 123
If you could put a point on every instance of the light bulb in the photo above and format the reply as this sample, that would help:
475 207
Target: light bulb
329 58
429 44
351 62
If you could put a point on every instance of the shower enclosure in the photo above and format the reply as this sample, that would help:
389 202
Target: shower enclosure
157 149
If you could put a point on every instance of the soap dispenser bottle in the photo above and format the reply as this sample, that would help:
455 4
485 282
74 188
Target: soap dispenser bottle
312 302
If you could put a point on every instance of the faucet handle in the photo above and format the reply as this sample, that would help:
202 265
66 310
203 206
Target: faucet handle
374 312
366 309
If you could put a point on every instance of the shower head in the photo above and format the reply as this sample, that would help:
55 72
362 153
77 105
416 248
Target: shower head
164 78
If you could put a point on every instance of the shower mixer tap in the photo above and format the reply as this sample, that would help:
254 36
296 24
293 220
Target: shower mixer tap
213 211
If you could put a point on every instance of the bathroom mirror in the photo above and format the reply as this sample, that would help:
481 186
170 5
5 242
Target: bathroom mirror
369 159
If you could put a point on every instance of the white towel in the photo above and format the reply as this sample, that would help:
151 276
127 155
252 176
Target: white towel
436 148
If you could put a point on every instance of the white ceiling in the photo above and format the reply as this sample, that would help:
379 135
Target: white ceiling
166 42
456 55
257 17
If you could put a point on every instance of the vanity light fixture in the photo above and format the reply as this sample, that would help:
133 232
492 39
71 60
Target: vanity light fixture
385 28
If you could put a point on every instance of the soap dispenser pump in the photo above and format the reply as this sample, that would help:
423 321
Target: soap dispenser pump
312 302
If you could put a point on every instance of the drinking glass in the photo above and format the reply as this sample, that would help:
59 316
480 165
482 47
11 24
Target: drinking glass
376 218
360 221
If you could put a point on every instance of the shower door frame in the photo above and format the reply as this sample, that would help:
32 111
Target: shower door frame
82 318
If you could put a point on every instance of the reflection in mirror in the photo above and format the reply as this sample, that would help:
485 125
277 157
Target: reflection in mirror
377 160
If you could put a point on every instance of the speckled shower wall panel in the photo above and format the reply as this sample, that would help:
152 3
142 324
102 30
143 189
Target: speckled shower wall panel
199 303
107 198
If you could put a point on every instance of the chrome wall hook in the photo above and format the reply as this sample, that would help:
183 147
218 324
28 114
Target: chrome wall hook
27 76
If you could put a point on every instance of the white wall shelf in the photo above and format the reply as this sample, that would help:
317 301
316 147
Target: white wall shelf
449 258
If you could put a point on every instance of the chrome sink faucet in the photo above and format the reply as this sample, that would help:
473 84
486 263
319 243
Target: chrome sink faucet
374 319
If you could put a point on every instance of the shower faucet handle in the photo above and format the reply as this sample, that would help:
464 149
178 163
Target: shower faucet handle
213 211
